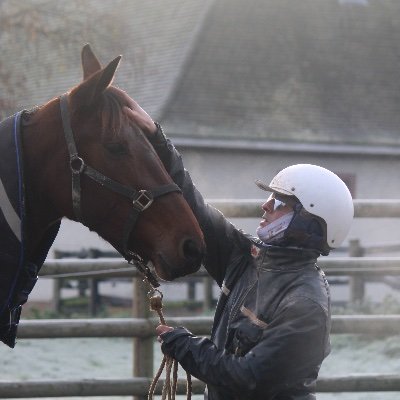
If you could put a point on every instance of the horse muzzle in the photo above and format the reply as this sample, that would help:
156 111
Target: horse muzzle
187 261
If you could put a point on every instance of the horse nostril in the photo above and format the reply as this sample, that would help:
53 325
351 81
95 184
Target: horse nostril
191 251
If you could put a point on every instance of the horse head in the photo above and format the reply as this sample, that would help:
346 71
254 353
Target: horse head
132 202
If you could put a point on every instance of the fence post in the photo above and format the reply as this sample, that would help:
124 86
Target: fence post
56 302
143 349
94 297
357 283
208 293
191 291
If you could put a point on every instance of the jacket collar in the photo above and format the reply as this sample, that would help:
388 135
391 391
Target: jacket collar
286 258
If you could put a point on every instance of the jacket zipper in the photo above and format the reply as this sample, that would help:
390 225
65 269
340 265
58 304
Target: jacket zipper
241 300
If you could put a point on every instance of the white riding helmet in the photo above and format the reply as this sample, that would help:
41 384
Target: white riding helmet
322 193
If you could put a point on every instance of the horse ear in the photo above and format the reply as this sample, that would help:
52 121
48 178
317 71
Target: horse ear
106 77
89 91
90 63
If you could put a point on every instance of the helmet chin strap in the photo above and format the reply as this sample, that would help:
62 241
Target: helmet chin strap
275 230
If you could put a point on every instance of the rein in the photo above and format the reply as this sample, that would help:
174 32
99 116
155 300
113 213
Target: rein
141 199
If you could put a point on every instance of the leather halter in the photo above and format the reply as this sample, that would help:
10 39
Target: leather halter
141 199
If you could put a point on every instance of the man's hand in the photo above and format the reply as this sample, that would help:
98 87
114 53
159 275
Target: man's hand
137 115
162 329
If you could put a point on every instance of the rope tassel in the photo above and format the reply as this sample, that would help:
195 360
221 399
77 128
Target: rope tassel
170 365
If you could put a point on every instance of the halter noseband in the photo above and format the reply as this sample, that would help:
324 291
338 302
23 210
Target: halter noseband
141 199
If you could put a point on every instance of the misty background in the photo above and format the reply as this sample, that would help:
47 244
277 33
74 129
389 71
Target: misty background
244 89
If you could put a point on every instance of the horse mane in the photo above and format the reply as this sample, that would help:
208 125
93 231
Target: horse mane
111 113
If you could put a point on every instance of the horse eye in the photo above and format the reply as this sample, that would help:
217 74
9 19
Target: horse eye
116 148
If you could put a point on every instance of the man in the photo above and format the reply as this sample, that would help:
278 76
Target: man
272 322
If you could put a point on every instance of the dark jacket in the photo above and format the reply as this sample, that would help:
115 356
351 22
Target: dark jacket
271 327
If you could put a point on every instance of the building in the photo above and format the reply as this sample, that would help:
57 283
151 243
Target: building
243 88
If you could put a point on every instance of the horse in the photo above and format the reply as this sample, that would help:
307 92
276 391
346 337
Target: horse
79 157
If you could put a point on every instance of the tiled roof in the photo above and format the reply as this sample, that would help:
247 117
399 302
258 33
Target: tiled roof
297 71
43 38
309 71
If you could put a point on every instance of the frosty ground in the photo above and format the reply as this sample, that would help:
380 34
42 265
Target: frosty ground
112 358
46 359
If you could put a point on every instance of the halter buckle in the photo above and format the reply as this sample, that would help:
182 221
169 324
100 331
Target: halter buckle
143 201
77 164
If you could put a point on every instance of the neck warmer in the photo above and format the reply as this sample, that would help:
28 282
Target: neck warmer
274 230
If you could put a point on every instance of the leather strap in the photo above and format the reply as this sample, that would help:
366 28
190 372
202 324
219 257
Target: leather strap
75 162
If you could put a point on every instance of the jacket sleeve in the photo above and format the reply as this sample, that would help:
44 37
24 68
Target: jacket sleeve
291 349
220 235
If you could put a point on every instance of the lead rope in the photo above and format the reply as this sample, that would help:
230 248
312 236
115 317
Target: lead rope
171 365
155 296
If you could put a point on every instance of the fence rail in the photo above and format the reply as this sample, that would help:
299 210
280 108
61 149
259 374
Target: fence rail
139 386
117 267
250 208
145 328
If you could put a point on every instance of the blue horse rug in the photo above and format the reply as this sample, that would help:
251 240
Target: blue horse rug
18 274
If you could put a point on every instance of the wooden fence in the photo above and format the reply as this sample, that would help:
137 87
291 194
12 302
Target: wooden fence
143 330
141 327
138 387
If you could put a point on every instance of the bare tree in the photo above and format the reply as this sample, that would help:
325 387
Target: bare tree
40 42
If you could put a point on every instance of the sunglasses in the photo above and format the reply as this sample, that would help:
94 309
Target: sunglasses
279 202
